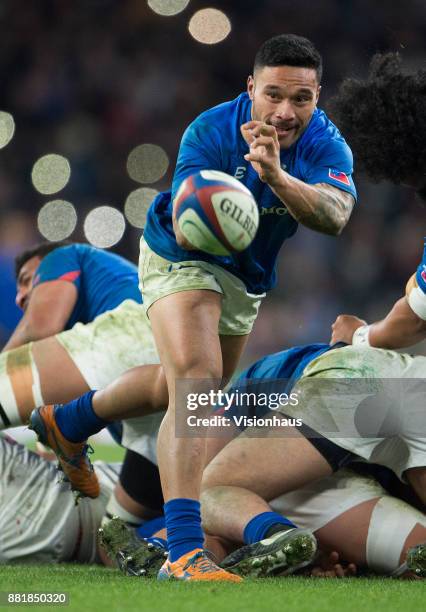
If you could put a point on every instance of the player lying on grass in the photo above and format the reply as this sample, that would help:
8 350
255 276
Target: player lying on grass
40 523
72 423
39 520
391 150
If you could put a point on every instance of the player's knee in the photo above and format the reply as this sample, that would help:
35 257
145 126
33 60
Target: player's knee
216 475
187 365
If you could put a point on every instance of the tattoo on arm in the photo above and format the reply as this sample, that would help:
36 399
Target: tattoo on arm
333 209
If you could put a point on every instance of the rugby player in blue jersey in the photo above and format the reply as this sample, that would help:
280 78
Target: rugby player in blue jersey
392 150
82 328
202 308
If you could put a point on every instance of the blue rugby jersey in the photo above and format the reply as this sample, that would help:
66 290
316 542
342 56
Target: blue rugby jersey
286 366
273 374
103 280
213 141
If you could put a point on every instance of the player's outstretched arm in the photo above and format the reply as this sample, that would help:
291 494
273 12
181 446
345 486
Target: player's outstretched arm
49 308
320 207
402 327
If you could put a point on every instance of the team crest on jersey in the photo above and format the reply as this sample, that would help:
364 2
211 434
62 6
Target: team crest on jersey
341 177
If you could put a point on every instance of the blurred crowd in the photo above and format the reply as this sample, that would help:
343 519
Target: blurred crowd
91 79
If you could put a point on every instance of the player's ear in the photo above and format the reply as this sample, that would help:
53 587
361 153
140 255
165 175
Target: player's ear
250 87
318 94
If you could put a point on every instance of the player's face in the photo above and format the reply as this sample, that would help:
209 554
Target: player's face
285 97
24 283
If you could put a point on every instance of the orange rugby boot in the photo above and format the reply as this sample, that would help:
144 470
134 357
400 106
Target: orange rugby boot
195 565
73 456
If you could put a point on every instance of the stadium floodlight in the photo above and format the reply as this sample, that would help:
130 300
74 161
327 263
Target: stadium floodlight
209 26
137 204
7 128
168 8
57 220
50 173
104 226
147 163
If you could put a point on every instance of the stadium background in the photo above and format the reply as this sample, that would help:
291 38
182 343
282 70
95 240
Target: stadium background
91 80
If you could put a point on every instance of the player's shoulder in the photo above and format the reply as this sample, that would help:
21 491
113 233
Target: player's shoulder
61 254
323 138
75 255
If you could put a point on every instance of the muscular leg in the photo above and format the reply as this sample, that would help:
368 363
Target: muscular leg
347 533
189 348
248 473
60 378
379 541
37 373
140 391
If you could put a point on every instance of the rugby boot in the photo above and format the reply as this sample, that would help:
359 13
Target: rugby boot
283 553
416 560
134 557
195 566
72 456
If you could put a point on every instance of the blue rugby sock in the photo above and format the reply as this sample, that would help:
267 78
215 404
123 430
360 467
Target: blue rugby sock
183 522
259 526
77 420
148 528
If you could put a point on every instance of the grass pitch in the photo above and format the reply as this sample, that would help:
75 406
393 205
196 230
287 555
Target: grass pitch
98 589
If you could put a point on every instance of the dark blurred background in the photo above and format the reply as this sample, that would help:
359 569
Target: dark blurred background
92 79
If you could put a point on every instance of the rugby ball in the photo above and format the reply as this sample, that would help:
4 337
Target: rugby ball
216 213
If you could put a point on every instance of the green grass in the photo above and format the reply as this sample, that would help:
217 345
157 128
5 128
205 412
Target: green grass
105 590
104 452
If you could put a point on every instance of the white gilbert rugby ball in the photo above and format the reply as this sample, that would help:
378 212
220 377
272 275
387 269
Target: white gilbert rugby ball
216 213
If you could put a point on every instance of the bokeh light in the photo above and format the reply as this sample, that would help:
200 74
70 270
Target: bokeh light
50 173
147 163
209 26
104 226
168 8
7 128
137 204
57 220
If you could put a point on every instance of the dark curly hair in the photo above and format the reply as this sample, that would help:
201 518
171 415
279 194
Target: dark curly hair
383 119
289 50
